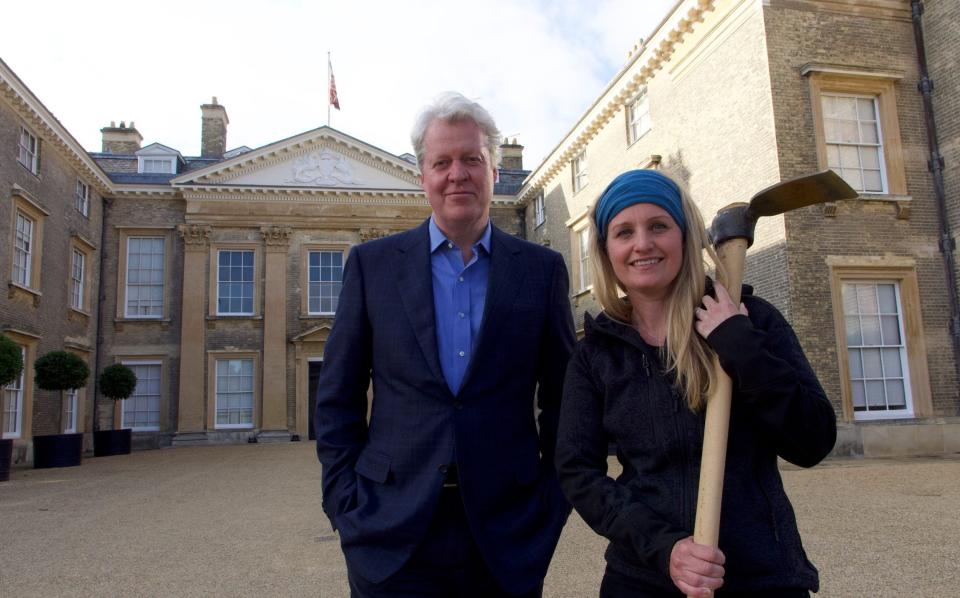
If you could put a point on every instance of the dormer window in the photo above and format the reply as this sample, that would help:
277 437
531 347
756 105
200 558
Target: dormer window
157 158
164 165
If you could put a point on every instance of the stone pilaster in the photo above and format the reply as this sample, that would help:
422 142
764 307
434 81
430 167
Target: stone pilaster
273 425
191 403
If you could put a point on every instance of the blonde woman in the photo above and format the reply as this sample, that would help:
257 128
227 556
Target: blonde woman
639 379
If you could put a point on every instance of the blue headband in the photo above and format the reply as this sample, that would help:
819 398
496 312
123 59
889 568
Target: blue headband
639 186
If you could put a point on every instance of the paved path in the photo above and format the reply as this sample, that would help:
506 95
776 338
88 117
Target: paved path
245 520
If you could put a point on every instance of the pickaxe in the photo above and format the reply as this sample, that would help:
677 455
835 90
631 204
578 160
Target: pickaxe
731 234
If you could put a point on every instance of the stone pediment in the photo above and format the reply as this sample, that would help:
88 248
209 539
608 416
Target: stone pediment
320 159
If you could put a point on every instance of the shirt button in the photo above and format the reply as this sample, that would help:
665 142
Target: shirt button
442 469
460 279
449 245
462 353
461 314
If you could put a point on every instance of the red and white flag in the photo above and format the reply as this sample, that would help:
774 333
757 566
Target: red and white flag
334 100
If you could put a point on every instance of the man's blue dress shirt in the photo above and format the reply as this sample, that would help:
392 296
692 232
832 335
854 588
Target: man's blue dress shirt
459 294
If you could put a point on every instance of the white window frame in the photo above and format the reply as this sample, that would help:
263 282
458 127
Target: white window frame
78 264
245 284
128 285
583 256
836 146
858 349
222 395
13 393
578 166
23 249
539 209
82 197
154 165
29 154
638 117
322 284
71 399
128 406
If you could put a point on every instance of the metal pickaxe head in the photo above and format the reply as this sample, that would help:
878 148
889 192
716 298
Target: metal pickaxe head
738 220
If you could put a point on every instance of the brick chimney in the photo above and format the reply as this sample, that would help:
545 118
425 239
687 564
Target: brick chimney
511 155
122 140
213 133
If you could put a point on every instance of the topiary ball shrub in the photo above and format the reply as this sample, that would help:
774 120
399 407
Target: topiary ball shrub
117 382
60 370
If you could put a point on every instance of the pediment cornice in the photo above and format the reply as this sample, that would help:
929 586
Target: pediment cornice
227 172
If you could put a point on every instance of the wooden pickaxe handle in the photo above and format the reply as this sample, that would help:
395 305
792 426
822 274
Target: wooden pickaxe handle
732 254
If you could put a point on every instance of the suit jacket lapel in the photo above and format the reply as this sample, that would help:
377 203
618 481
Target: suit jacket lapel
415 289
503 285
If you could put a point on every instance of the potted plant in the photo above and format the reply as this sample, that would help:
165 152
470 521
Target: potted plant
117 382
59 370
11 364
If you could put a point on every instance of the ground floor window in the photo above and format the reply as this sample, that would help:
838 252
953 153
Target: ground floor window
70 411
141 411
13 403
234 393
879 378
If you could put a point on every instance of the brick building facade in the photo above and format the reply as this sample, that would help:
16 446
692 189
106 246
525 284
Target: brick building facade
736 95
215 277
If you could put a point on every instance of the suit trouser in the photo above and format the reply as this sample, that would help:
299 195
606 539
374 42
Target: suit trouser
447 564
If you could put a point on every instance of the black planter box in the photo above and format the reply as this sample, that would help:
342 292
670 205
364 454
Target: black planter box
57 450
6 458
111 442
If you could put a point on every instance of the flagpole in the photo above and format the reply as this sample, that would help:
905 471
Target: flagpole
328 88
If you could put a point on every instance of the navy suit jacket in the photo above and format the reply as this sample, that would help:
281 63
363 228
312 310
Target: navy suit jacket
382 479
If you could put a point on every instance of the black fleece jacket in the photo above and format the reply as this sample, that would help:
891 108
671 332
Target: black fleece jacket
616 390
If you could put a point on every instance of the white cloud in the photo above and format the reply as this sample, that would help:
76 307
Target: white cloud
536 66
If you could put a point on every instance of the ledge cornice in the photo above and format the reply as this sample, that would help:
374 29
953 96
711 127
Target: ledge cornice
29 108
640 67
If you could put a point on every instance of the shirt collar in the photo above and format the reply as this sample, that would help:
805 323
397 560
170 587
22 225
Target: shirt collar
437 237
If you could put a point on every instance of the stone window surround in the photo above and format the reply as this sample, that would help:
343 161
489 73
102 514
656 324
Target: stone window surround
123 235
25 204
873 269
880 85
212 357
213 304
85 248
158 360
29 342
305 250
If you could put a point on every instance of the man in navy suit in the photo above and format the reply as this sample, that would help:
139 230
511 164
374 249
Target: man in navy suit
448 487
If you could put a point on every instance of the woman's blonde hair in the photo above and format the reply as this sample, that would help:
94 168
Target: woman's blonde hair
687 353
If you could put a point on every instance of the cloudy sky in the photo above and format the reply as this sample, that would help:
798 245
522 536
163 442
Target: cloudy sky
536 65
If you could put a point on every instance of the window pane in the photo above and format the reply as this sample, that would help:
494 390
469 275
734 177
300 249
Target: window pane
856 367
859 395
872 181
876 398
896 398
887 298
892 367
870 325
890 327
854 336
866 299
872 367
